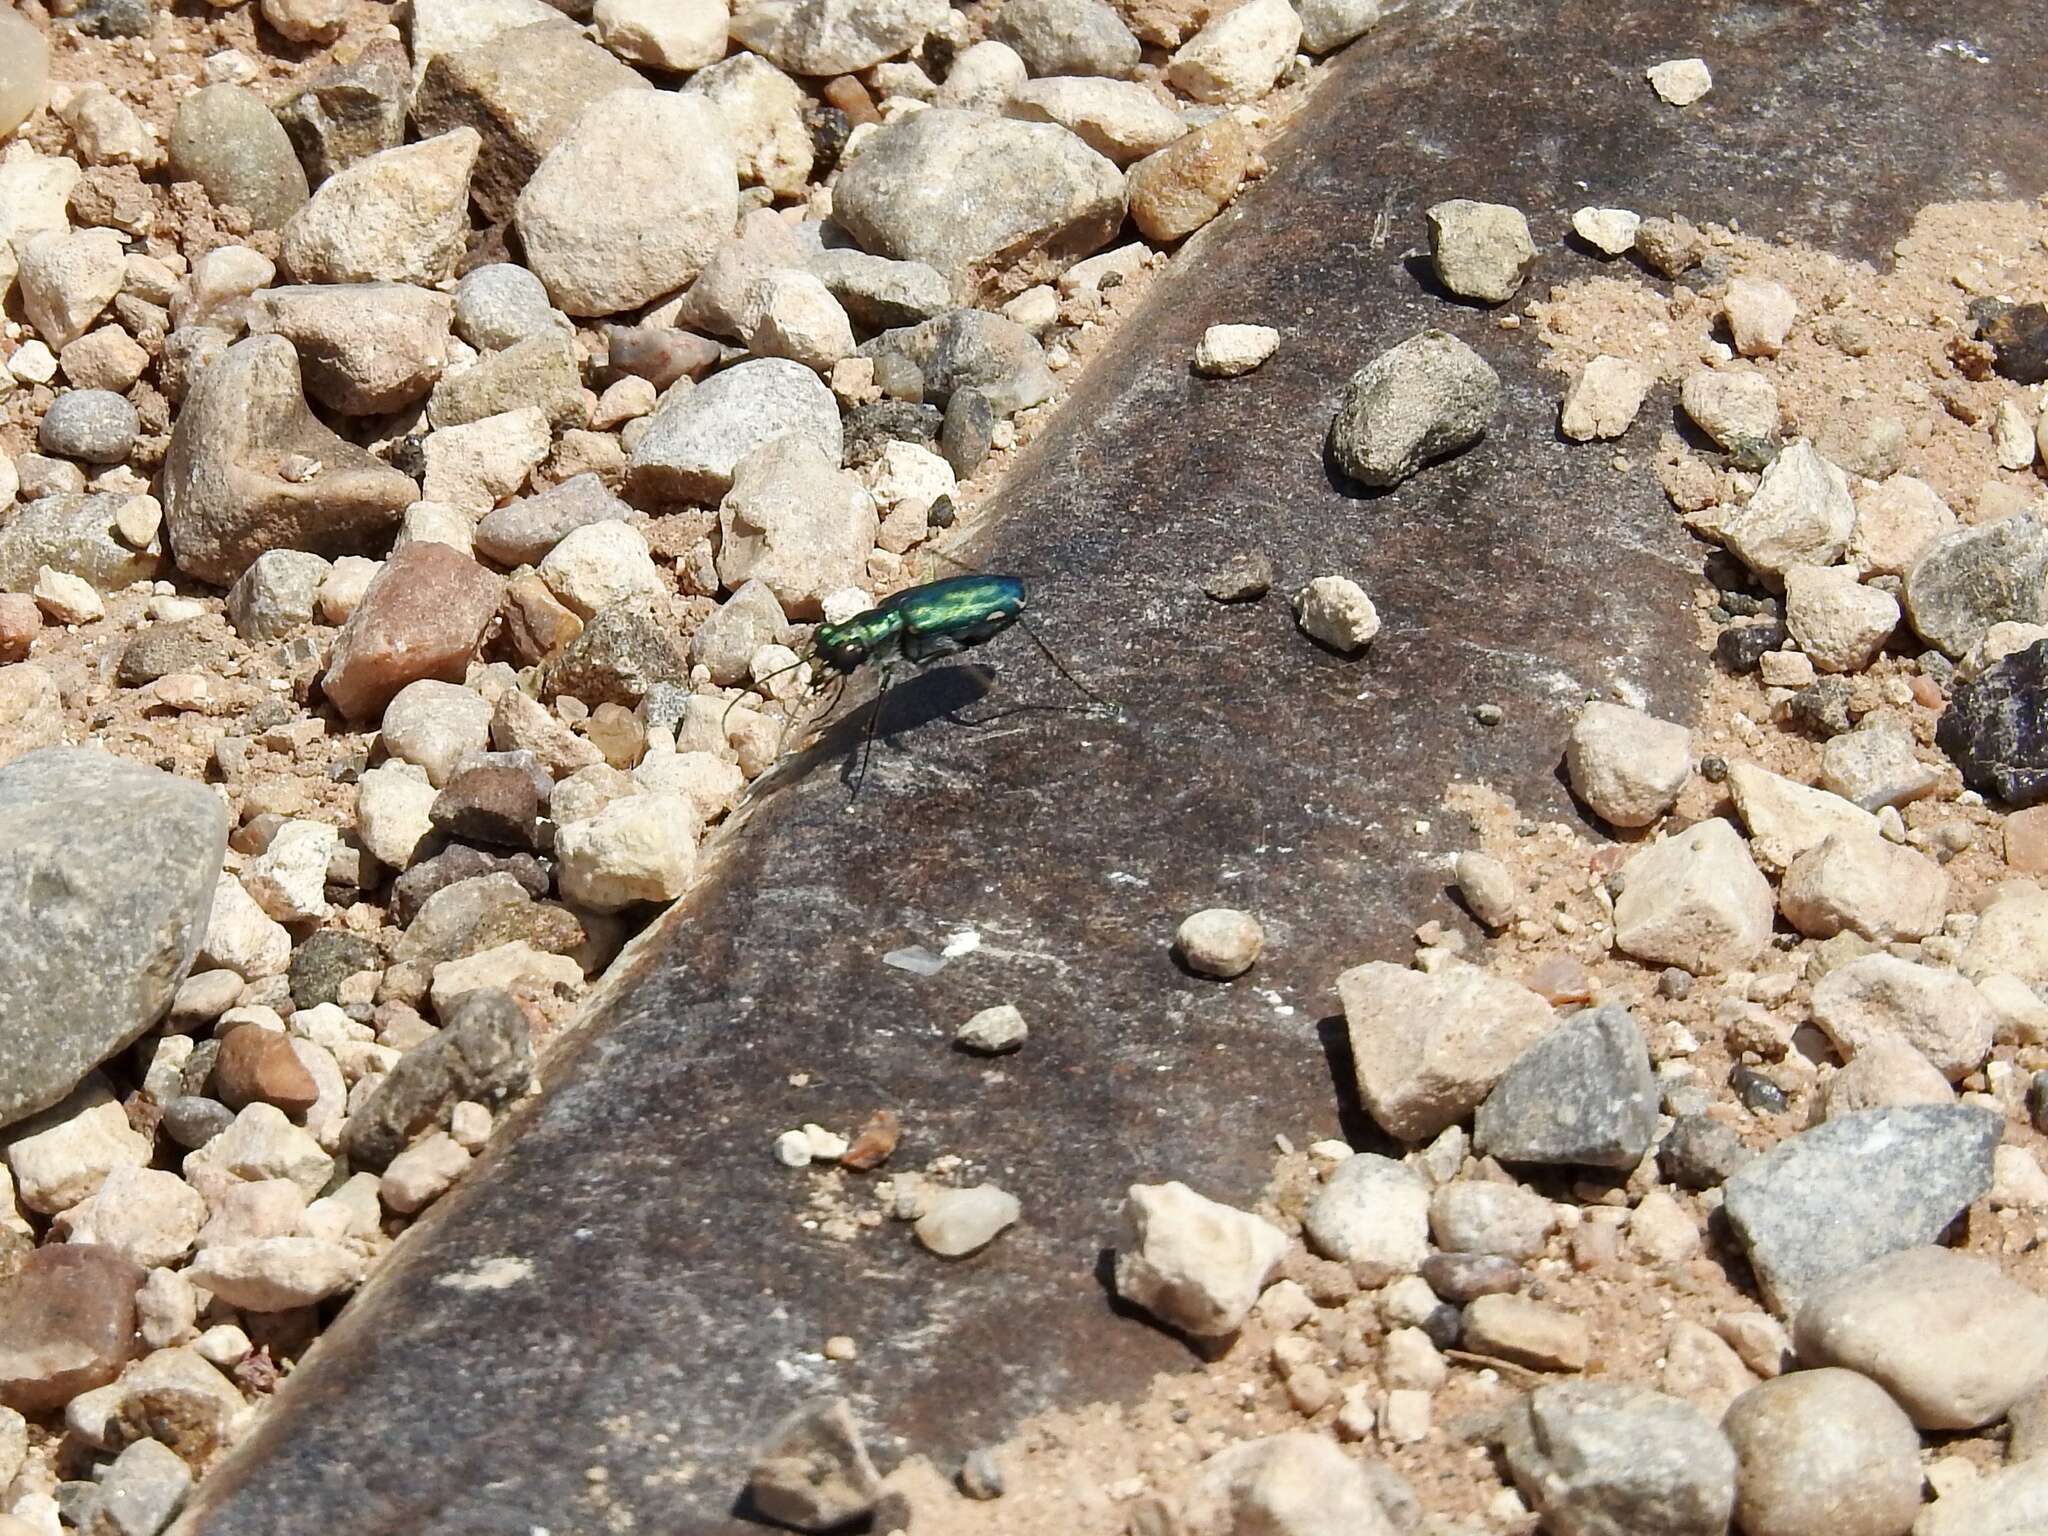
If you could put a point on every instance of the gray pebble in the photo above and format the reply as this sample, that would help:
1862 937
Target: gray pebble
500 305
980 1477
95 425
1700 1153
1244 578
226 139
192 1121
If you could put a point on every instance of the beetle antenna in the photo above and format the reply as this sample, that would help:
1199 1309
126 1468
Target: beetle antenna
761 682
867 742
1061 668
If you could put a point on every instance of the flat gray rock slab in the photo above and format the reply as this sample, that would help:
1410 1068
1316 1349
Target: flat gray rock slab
629 1283
107 870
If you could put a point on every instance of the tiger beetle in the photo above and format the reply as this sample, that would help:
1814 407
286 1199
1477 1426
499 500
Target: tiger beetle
918 626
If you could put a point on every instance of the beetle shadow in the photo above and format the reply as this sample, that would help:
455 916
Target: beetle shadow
910 703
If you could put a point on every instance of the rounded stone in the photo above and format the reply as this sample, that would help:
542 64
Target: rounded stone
229 142
24 70
95 425
500 305
1823 1453
1220 941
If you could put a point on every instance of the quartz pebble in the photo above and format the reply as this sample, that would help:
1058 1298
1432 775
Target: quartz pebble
1335 611
1626 765
993 1031
1603 399
1610 231
1193 1263
957 1222
1680 82
1231 351
1220 941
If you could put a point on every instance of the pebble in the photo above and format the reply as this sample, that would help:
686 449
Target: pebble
631 202
1759 315
24 72
1463 1277
226 499
66 280
1800 514
1295 1484
274 1274
2011 1501
1695 900
105 359
350 110
257 1065
67 1325
1876 765
1117 118
1699 1152
1680 82
423 615
764 115
693 444
1971 579
993 1031
1330 24
422 1173
1787 819
1193 1263
1428 1047
1526 1332
1603 399
1244 578
289 878
1858 1187
640 849
240 938
813 1471
66 599
1335 611
1220 941
1949 1336
1486 1218
1995 728
1627 766
435 725
795 522
1239 55
34 191
1176 190
1231 351
1428 398
1839 623
483 1054
1594 1458
1937 1012
1372 1214
957 190
957 1222
1610 231
980 1476
225 138
1864 885
599 564
970 349
145 1486
2009 938
1480 250
1583 1094
1067 37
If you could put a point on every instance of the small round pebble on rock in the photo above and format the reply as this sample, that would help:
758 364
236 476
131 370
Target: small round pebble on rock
1335 611
95 425
1220 941
993 1031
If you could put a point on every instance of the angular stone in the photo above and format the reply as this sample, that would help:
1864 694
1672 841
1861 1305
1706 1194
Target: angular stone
393 805
1696 900
474 466
67 1325
972 349
483 1053
1482 1217
1117 118
79 535
146 1215
2011 1501
1786 819
1995 728
1626 765
601 564
630 202
422 617
240 937
1526 1332
1427 1048
364 349
1857 1188
67 280
1974 578
878 293
1480 250
543 372
1193 1263
1239 55
1293 1484
275 1274
1423 400
522 89
107 875
1800 514
435 725
1840 623
448 26
1608 1460
1876 765
639 849
1583 1094
350 110
34 192
795 522
1951 1338
400 215
813 1471
2011 938
957 1222
625 650
968 194
327 959
1864 885
141 1491
764 115
522 532
1603 399
226 499
693 444
1372 1214
1068 37
226 139
262 1144
257 1065
1897 523
1178 189
61 1155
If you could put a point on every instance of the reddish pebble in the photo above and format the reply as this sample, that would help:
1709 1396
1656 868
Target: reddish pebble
1561 980
852 98
2026 840
660 355
258 1065
1926 692
877 1139
421 617
67 1325
19 623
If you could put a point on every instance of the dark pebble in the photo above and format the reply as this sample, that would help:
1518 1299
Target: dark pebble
494 804
1714 768
411 889
942 513
192 1121
325 961
1701 1152
899 378
830 128
1995 728
1463 1277
2019 342
2037 1102
1243 578
1757 1092
969 431
115 18
871 428
1740 647
1675 984
1823 707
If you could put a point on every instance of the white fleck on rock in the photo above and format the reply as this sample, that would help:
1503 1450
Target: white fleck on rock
1193 1263
1839 622
600 564
1240 55
1626 765
1865 885
993 1031
1801 514
1335 611
1231 351
1480 250
642 848
1220 941
400 215
1696 901
63 1154
957 1222
1603 399
1373 1214
1610 231
289 878
393 806
1938 1013
1785 819
1428 1047
1680 82
274 1274
241 937
423 1172
1955 1341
